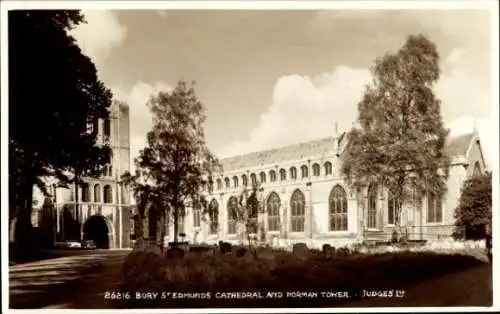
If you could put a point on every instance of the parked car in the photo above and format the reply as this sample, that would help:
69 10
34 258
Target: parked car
68 245
89 245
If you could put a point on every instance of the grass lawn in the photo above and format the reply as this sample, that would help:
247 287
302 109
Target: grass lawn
275 279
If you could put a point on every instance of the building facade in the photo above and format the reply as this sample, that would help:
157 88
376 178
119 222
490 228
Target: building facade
305 198
100 209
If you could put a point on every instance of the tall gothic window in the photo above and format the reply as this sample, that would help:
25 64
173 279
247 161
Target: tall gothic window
214 216
97 193
371 222
235 181
219 184
293 173
297 203
338 209
273 212
263 177
228 184
305 172
196 218
391 208
232 214
328 168
244 180
282 174
316 170
272 176
434 208
108 194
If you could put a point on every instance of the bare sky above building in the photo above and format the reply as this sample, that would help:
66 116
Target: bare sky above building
273 78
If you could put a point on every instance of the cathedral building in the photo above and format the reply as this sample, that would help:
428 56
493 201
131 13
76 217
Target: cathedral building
305 198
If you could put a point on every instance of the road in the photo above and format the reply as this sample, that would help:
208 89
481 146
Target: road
79 282
75 281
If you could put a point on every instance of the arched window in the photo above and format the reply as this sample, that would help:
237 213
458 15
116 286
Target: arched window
228 184
196 218
262 177
253 177
235 181
108 194
328 168
392 206
232 215
434 208
298 201
477 169
338 209
107 129
293 173
304 171
316 170
273 212
97 193
85 193
210 185
219 184
371 221
282 175
244 180
272 176
213 210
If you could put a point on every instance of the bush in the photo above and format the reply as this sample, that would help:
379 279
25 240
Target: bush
474 210
279 271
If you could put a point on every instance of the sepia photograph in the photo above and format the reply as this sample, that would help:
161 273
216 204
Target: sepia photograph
284 156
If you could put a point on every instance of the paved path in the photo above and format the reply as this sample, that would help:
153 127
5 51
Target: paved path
470 287
77 281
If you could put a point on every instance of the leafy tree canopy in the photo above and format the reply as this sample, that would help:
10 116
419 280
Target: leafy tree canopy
176 162
400 136
54 94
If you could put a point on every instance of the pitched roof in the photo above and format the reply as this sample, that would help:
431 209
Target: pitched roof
321 147
324 146
458 145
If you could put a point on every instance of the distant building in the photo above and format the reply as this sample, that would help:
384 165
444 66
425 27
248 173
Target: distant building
306 199
102 210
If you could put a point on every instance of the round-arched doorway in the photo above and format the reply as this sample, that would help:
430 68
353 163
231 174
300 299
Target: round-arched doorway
97 229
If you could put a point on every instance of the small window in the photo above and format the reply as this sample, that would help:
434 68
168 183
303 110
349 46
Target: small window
108 194
282 175
328 168
305 172
316 170
263 177
272 176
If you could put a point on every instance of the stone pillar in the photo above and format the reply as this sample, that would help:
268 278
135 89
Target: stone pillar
222 232
309 212
284 214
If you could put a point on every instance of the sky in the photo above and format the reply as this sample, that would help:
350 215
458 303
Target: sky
274 78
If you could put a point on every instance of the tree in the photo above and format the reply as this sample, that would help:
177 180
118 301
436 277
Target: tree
176 160
399 140
474 209
54 95
246 210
